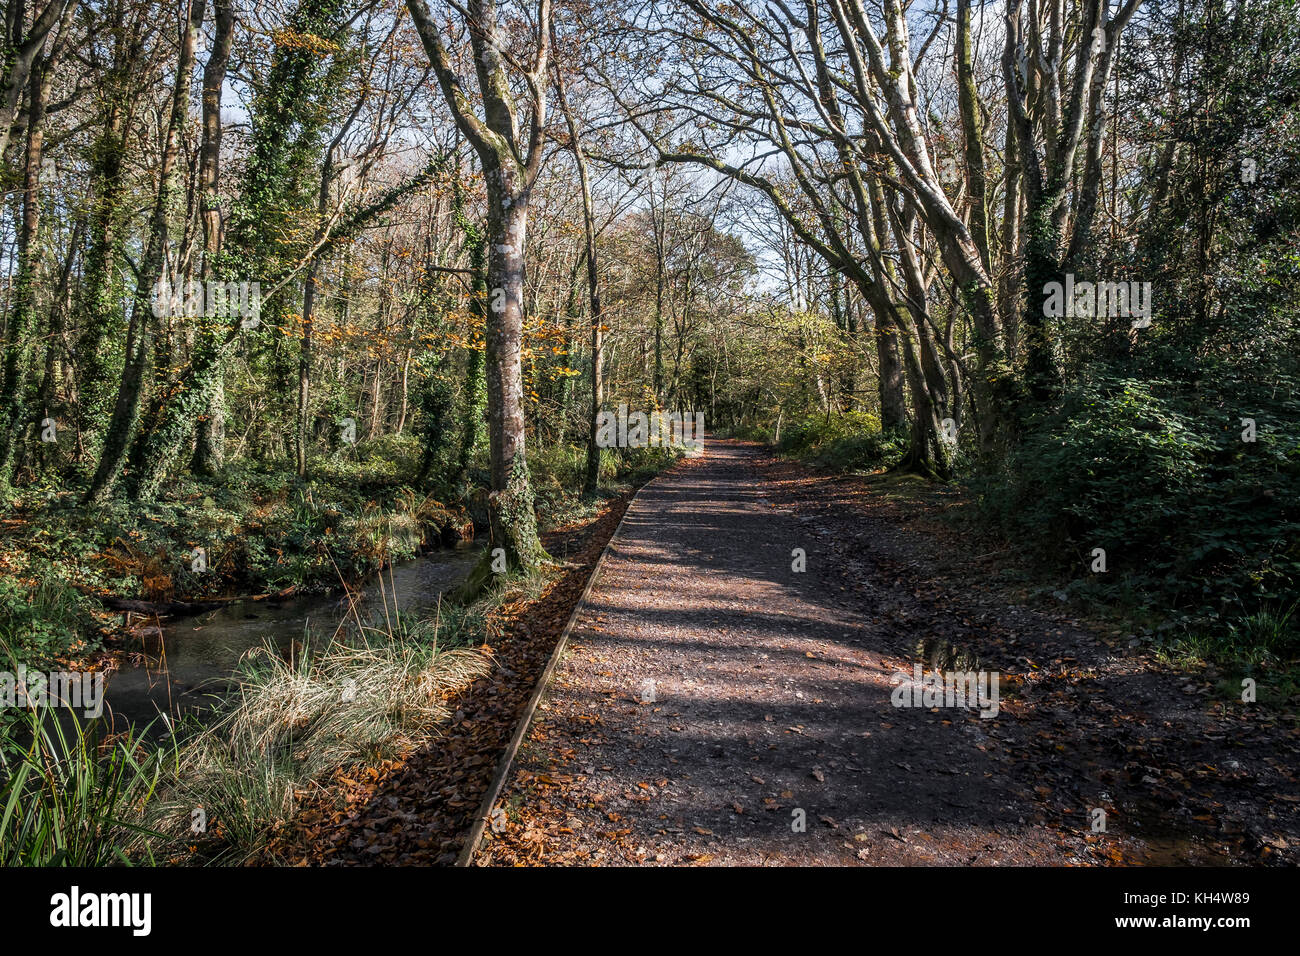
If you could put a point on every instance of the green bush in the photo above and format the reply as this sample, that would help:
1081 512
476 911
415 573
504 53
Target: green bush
1156 473
848 441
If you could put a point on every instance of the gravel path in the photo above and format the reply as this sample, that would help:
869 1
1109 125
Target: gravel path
716 706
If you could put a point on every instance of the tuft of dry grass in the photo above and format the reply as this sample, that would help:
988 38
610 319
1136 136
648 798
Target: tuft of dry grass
371 693
363 699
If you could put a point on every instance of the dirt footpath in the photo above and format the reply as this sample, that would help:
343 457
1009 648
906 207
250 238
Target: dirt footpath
716 706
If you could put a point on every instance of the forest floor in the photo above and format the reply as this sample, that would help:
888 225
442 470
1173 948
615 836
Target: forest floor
712 698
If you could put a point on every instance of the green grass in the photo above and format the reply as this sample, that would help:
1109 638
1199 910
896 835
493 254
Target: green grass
68 799
291 724
1263 646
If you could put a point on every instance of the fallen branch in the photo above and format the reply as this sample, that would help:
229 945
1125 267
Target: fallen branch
181 607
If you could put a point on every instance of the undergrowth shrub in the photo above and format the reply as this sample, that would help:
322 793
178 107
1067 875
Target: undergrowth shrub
847 441
1156 473
44 620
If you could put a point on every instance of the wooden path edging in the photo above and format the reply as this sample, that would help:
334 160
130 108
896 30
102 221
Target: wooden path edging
504 765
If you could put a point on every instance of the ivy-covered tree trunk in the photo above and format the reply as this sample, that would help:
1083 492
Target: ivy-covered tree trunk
303 417
288 117
102 318
1042 266
209 451
170 421
510 504
1048 172
510 170
23 317
893 404
126 409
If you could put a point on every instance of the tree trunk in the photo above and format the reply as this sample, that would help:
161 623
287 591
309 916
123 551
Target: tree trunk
593 288
22 54
102 319
509 173
139 336
514 523
304 368
211 438
22 320
973 128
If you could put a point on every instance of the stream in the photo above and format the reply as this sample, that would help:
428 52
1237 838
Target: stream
192 658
